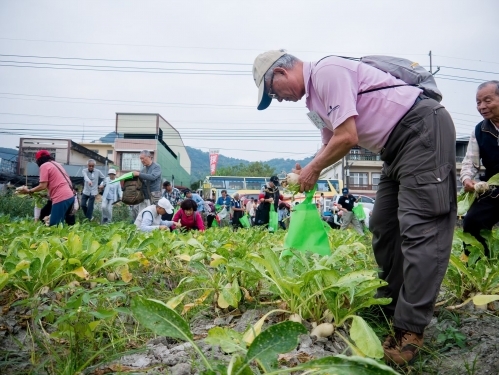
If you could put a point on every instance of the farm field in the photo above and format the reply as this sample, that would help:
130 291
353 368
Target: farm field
93 299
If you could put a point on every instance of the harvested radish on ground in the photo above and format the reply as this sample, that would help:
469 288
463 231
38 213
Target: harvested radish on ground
323 330
295 318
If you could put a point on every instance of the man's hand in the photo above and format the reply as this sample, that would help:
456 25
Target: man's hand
89 183
136 173
163 227
344 138
469 185
308 176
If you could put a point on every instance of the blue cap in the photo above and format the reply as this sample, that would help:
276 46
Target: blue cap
344 190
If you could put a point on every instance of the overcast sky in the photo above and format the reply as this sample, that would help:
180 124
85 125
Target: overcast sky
214 105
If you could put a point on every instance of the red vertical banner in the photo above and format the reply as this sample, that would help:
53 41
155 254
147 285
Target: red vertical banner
213 161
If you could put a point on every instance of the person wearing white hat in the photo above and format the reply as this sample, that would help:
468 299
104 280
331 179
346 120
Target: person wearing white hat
149 218
112 194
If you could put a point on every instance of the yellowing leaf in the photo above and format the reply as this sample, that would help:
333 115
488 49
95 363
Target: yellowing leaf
463 257
217 260
33 246
4 277
256 329
23 264
483 299
185 257
187 307
82 273
201 299
222 302
136 256
125 274
247 296
175 301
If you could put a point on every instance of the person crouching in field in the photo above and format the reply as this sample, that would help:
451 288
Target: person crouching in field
188 218
149 218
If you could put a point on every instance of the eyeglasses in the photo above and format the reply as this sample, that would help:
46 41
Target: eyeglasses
272 95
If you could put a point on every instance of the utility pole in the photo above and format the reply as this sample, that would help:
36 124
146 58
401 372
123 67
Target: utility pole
431 72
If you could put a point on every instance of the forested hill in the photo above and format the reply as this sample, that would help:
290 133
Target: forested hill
200 163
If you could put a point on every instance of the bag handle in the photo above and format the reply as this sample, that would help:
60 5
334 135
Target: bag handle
309 195
65 177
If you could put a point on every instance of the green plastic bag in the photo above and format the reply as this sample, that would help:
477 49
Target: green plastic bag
307 231
126 176
245 221
273 219
358 211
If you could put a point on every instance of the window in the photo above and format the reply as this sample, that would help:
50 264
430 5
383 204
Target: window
235 184
254 183
322 185
130 161
364 199
109 152
375 180
358 178
218 183
335 184
354 154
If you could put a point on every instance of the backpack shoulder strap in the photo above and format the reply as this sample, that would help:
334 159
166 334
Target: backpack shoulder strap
366 91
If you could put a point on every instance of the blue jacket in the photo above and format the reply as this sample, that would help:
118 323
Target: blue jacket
227 201
200 202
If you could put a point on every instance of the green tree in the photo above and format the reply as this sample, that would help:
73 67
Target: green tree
254 169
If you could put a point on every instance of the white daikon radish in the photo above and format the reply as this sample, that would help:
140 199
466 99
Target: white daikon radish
295 318
323 330
481 187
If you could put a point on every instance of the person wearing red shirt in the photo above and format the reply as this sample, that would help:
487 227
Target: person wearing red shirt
188 217
54 178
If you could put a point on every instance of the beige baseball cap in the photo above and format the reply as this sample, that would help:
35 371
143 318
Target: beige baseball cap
262 63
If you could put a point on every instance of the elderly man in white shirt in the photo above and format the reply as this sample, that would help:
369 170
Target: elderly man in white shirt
149 218
90 188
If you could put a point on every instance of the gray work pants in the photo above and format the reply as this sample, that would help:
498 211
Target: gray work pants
415 212
349 218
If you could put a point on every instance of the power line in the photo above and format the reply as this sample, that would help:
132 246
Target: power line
238 106
124 71
284 122
469 70
127 60
127 67
460 58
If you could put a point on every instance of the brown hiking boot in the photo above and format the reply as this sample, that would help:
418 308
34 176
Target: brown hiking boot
403 348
